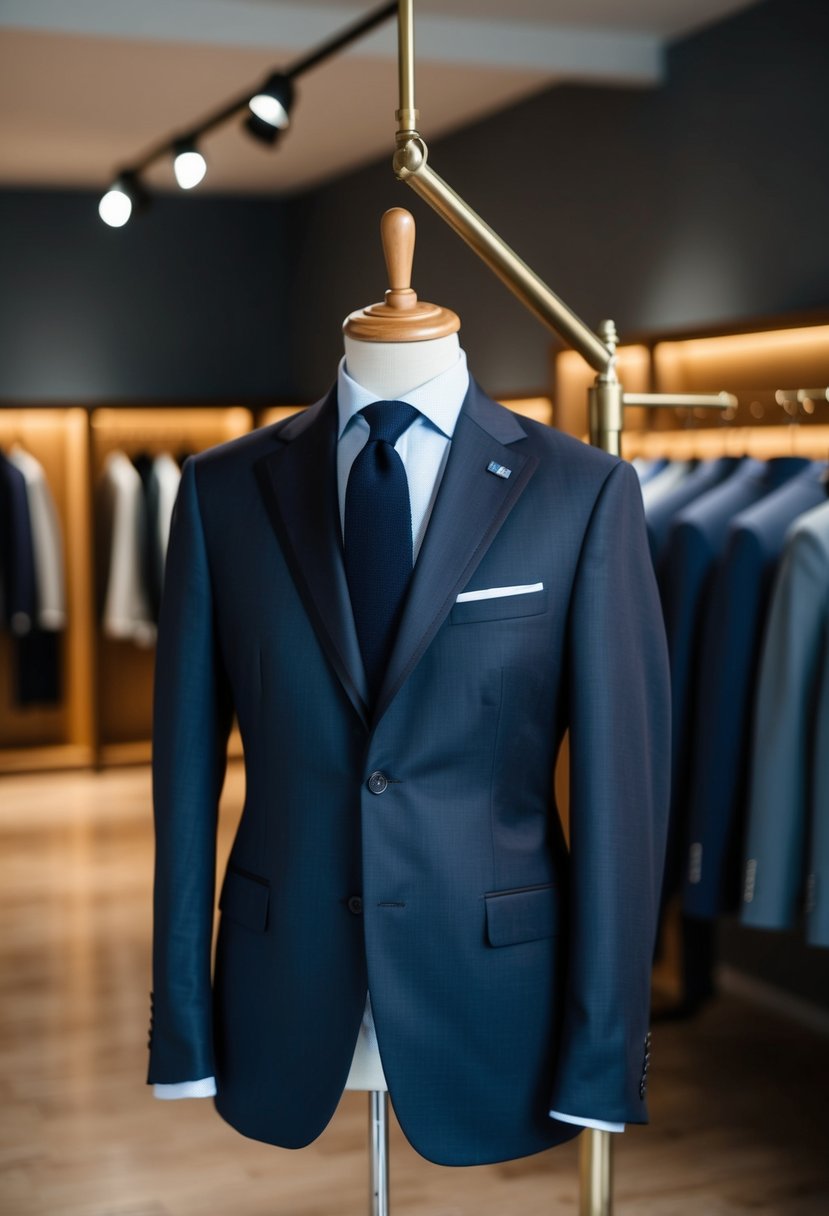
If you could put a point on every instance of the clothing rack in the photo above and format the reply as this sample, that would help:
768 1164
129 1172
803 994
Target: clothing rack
93 725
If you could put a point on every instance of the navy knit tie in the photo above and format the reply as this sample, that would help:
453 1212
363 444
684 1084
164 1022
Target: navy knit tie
378 536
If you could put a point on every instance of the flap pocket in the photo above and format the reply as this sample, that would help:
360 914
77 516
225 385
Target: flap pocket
245 899
499 608
522 915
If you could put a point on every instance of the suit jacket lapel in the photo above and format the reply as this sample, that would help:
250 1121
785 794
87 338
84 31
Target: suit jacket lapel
299 483
471 507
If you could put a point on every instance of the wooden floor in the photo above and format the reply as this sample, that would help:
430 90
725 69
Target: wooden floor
739 1100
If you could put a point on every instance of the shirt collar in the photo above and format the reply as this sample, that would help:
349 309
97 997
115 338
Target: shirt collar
439 399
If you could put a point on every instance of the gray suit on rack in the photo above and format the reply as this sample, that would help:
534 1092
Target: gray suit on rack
787 847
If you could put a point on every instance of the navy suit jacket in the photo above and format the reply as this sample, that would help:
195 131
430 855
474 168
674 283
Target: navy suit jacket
508 975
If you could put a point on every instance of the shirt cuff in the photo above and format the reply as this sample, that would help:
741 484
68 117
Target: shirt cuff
598 1124
205 1088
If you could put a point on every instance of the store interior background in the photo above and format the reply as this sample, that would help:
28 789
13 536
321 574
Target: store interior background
698 202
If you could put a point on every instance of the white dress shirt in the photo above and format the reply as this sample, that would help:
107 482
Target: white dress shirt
167 476
122 520
424 449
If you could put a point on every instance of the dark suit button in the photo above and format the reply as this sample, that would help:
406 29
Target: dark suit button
355 905
378 783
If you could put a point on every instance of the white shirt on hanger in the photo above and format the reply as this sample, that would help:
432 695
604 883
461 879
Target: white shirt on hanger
122 514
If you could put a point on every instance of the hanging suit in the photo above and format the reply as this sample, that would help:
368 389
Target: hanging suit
648 469
36 676
661 513
416 848
729 658
666 482
695 541
787 843
17 554
39 651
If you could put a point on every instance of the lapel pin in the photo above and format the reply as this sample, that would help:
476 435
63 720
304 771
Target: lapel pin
499 470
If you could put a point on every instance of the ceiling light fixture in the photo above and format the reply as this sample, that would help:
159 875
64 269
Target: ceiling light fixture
125 195
272 104
268 111
189 165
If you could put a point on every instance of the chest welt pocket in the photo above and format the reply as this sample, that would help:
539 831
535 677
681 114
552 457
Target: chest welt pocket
499 608
245 898
522 915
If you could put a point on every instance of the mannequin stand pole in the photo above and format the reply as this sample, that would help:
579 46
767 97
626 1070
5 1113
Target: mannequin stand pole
378 1133
595 1173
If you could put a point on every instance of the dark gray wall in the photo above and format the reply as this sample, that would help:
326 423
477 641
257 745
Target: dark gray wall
702 201
186 302
699 202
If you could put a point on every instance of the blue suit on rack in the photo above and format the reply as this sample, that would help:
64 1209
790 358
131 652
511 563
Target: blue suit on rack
735 614
661 513
695 542
413 847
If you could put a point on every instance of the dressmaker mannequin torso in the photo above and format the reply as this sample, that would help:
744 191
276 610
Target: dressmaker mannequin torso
404 841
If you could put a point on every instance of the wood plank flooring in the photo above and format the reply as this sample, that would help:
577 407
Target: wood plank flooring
738 1099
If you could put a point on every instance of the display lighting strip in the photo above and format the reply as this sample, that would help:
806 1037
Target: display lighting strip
267 108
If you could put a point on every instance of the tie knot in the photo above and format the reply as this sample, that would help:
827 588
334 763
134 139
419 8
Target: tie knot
388 420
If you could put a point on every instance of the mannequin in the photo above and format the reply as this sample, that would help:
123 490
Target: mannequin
391 349
400 854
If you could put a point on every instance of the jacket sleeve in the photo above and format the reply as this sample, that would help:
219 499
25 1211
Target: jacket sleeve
619 785
192 715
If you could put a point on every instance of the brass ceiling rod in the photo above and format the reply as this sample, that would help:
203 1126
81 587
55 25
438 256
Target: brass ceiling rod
411 166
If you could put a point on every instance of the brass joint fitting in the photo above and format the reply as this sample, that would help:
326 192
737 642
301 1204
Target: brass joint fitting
411 155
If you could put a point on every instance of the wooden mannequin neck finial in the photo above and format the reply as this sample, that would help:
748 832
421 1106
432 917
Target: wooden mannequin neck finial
402 317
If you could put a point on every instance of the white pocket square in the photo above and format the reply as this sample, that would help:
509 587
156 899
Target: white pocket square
496 593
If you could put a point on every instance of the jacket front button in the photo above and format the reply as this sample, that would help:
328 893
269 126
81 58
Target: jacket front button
378 783
355 905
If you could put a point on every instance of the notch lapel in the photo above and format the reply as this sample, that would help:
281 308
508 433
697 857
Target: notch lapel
471 506
299 484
